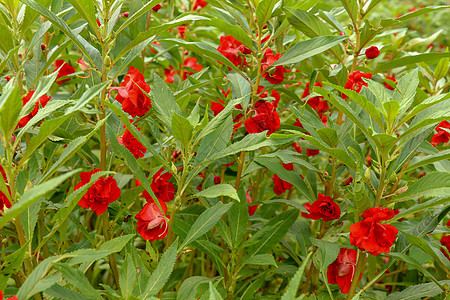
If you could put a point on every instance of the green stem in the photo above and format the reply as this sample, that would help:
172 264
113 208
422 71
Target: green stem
112 259
360 263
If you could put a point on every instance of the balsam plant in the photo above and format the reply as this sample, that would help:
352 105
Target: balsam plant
224 149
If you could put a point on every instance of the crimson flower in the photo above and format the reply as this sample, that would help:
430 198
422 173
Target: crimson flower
217 107
441 136
217 179
372 236
387 85
42 101
132 144
342 270
372 52
251 208
355 81
233 50
265 118
64 71
4 201
133 100
156 7
100 194
161 187
445 241
317 103
281 186
276 75
151 222
199 4
274 94
312 152
191 62
323 208
182 31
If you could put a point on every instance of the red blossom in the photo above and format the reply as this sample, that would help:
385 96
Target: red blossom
445 241
342 270
4 201
156 7
233 50
191 62
312 152
276 75
281 186
161 187
355 81
372 236
323 208
441 136
251 208
265 118
274 94
348 181
317 103
41 102
64 71
199 4
182 31
100 194
132 144
387 83
217 179
372 52
151 222
133 100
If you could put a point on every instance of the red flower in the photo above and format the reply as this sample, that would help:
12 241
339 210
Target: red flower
355 81
182 31
169 75
342 270
199 4
297 148
281 186
152 223
42 101
10 298
251 208
156 7
64 71
348 181
233 50
372 236
217 179
133 100
161 187
441 136
4 201
387 85
100 194
132 144
323 208
372 52
265 118
448 223
274 94
312 152
445 241
276 75
320 106
217 107
191 62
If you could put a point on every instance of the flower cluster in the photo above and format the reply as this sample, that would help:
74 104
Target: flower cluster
151 221
100 194
233 50
265 118
372 236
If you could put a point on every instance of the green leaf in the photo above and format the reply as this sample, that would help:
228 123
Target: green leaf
86 9
29 219
307 23
283 222
442 68
424 243
162 272
419 291
163 101
261 260
127 277
182 130
149 5
329 136
293 285
240 88
205 222
308 48
11 264
238 218
250 142
45 130
32 195
328 253
436 184
188 288
117 243
87 97
213 293
72 148
92 54
215 141
154 31
408 60
10 106
78 279
63 293
443 155
218 190
351 6
264 11
6 39
421 11
234 30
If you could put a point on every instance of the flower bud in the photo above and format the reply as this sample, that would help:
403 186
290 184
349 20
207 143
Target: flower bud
401 190
82 64
368 174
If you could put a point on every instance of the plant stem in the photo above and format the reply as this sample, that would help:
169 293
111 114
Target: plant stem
360 263
240 169
112 259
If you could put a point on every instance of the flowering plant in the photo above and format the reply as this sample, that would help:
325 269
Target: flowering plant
224 150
